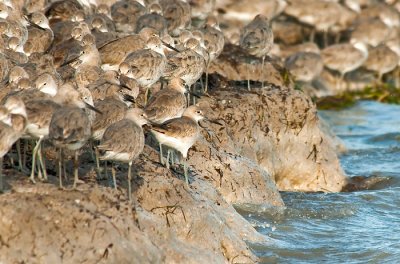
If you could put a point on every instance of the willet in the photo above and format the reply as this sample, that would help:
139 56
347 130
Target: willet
305 66
114 53
214 42
180 133
154 19
178 16
344 57
188 64
388 14
123 141
39 114
167 104
321 15
370 31
11 128
40 37
201 9
382 60
146 66
70 126
257 39
125 14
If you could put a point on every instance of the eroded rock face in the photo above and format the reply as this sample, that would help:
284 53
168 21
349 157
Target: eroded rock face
168 222
279 129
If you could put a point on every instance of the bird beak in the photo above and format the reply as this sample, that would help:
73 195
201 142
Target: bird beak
125 87
129 98
91 107
32 24
169 46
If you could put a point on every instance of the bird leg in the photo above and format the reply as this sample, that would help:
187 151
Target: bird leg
76 165
1 175
18 146
114 178
42 162
96 152
161 155
168 155
207 66
262 72
129 181
185 171
312 35
146 95
34 155
60 165
248 76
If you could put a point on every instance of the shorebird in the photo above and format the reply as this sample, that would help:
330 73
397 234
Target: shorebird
344 57
388 14
12 125
63 10
167 104
114 53
154 19
123 141
101 32
321 15
89 54
15 51
39 114
146 66
257 39
125 14
242 12
178 16
382 60
286 51
201 9
305 66
70 126
41 36
370 31
180 133
214 42
188 64
4 68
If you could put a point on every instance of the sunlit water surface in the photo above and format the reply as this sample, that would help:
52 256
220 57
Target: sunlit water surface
357 227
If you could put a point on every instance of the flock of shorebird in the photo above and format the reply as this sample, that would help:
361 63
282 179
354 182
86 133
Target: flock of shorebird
71 71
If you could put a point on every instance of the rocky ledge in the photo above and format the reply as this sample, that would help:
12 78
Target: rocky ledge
271 139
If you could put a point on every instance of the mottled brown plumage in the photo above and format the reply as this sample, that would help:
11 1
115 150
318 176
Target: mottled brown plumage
115 52
167 104
123 141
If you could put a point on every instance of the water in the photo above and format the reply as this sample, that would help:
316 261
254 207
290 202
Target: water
357 227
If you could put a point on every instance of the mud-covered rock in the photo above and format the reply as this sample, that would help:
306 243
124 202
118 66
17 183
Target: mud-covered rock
279 129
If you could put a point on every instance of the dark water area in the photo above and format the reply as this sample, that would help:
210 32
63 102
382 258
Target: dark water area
355 227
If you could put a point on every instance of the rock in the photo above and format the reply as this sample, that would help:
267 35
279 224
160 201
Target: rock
278 128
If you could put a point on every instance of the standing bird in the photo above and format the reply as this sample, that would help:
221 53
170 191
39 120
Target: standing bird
12 125
180 133
123 141
344 57
70 126
146 66
214 42
168 103
257 39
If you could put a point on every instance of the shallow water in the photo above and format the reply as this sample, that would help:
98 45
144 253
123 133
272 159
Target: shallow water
357 227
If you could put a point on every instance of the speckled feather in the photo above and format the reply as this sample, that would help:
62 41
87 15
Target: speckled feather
123 136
